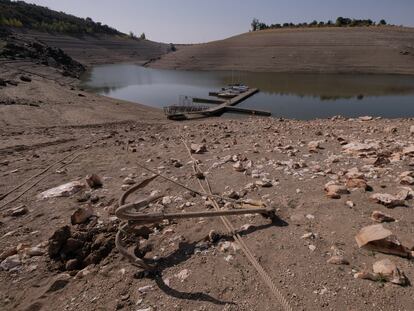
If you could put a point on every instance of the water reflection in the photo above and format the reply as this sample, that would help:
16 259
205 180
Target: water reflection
301 96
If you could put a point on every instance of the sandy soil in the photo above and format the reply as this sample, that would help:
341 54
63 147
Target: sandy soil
46 119
327 50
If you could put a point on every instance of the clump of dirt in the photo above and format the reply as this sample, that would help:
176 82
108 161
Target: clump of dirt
73 248
4 31
18 47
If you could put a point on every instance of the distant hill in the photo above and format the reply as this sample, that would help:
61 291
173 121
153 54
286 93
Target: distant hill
15 47
383 49
19 14
102 49
82 39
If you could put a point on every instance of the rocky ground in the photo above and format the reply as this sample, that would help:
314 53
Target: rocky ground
18 47
329 181
284 163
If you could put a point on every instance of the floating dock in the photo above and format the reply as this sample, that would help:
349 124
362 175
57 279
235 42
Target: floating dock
231 102
222 107
208 101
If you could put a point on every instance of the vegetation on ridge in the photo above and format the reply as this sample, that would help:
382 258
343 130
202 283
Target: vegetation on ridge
20 14
340 22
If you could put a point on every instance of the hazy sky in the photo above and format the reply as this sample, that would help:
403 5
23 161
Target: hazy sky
191 21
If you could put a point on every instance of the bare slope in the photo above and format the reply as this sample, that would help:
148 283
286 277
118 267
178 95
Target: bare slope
100 49
50 99
328 50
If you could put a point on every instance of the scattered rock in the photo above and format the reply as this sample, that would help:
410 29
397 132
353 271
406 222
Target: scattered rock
94 181
224 246
238 167
310 217
19 211
314 146
378 216
59 283
94 198
388 270
83 197
377 238
357 148
34 251
350 204
390 130
166 200
129 181
366 118
380 160
145 289
337 260
65 190
358 183
176 163
264 183
198 148
81 215
388 200
183 275
384 271
408 150
10 262
25 79
407 178
309 235
72 264
213 236
7 252
334 191
354 173
232 194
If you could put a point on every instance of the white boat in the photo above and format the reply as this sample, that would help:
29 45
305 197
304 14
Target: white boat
239 87
227 94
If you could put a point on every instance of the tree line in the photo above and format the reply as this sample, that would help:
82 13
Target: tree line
340 22
21 14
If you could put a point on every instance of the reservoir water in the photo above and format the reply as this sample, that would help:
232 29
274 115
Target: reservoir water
298 96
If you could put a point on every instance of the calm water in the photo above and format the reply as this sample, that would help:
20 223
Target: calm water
299 96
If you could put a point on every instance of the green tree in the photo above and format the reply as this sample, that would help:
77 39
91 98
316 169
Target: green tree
143 36
382 22
255 24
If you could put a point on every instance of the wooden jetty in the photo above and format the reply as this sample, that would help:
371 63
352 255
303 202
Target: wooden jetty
248 111
222 107
208 101
231 102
